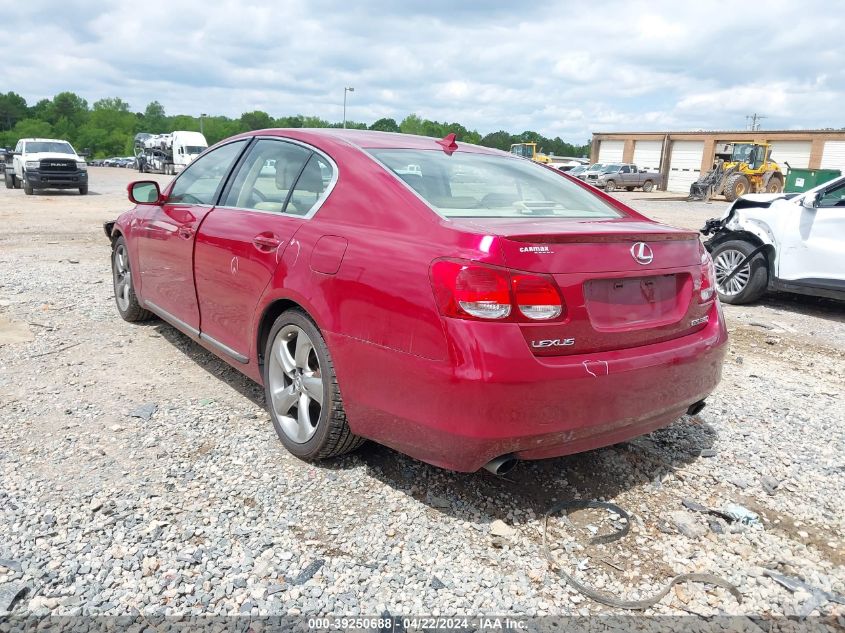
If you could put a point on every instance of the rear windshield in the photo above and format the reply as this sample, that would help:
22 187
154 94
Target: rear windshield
38 147
485 186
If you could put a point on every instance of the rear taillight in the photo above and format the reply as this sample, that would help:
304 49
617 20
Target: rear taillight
707 286
471 290
536 297
468 290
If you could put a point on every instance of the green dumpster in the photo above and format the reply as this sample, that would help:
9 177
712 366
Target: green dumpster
798 180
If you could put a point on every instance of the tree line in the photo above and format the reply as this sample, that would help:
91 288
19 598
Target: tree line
108 127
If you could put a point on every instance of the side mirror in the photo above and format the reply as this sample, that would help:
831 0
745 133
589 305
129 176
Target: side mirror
811 201
144 192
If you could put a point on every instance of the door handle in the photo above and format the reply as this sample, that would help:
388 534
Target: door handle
266 242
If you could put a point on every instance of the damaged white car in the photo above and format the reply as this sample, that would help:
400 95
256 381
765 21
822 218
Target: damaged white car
792 242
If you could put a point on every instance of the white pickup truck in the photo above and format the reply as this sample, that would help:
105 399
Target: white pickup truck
792 242
46 163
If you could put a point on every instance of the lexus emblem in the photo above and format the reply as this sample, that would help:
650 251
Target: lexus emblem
641 252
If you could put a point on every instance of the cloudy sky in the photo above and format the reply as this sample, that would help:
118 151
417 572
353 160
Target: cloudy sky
561 68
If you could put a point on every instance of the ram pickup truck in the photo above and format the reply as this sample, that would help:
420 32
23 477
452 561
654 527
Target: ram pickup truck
46 163
624 175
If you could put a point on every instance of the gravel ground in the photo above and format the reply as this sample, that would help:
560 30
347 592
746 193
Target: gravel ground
138 473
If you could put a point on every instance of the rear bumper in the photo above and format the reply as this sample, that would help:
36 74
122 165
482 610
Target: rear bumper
56 180
497 398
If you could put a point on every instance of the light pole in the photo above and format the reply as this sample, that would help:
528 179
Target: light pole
202 116
345 90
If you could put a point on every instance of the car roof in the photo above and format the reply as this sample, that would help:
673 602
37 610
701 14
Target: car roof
369 139
48 140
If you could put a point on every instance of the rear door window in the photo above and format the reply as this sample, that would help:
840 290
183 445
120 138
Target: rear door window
312 186
265 180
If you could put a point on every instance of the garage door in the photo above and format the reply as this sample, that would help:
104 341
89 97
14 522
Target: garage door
611 151
647 155
685 165
833 156
796 153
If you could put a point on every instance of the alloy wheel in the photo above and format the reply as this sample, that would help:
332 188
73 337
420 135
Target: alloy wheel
296 383
122 277
724 264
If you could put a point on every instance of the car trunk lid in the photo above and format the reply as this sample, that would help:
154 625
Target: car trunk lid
624 282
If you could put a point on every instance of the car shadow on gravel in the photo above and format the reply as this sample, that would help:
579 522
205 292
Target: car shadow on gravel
481 496
536 485
209 362
62 193
820 307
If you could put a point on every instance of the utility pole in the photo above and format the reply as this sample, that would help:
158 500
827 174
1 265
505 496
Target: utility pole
202 116
345 90
752 121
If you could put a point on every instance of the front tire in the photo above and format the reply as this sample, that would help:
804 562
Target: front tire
736 187
749 283
27 188
609 185
301 390
124 290
83 191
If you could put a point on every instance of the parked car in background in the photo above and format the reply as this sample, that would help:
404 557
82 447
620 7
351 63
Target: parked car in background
593 169
47 163
625 176
509 313
576 171
781 242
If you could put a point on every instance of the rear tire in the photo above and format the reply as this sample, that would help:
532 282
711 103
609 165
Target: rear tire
10 183
299 373
750 282
124 289
736 187
648 186
609 185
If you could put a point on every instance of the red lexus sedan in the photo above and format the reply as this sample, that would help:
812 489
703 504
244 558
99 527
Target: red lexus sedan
459 304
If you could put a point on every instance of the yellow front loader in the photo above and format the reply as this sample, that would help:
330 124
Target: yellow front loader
529 150
740 168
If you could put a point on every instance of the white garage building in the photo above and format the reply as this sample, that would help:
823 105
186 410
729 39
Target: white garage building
682 156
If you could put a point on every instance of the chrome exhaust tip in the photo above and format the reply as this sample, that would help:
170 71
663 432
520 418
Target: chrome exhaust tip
696 407
501 465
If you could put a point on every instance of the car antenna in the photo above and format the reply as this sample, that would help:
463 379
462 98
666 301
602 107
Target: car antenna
448 143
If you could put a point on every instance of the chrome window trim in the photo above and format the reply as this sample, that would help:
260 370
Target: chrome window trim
326 194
